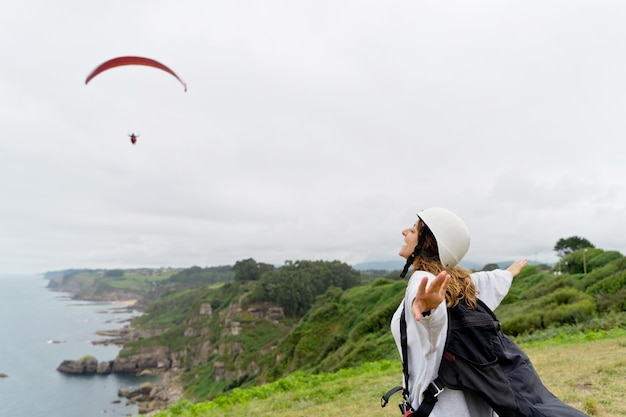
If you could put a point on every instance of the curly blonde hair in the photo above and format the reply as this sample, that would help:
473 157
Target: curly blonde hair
461 285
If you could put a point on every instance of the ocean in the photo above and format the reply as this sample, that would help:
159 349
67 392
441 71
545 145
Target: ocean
40 328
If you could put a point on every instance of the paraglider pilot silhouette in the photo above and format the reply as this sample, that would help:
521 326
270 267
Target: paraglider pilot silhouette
132 60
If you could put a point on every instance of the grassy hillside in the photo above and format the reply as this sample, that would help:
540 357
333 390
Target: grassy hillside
597 299
343 329
144 284
348 328
90 284
595 385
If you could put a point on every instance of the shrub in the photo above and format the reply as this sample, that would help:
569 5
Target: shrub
570 313
609 285
611 302
523 323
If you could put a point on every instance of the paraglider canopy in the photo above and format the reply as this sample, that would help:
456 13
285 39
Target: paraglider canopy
132 60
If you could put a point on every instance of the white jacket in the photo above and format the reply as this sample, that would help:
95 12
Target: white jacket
427 337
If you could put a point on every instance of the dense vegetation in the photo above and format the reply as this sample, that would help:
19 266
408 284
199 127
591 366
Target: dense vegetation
295 286
539 300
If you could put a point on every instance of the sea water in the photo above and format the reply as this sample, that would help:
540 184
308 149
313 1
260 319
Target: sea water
40 328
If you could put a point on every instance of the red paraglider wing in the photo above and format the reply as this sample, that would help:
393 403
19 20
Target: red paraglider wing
132 60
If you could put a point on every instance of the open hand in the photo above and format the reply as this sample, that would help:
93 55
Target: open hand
430 296
517 266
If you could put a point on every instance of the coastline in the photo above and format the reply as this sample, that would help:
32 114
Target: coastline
127 303
123 334
161 388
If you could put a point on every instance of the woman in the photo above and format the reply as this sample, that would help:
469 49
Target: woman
434 246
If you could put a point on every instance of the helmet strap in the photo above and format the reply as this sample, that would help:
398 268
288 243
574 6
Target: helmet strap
418 251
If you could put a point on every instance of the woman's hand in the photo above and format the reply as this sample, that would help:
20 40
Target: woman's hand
517 266
430 296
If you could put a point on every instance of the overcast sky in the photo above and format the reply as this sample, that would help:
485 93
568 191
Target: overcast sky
310 129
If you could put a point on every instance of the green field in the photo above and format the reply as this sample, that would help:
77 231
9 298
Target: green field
587 374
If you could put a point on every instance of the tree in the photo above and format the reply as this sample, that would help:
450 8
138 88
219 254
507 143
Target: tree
566 246
490 267
295 285
114 273
250 270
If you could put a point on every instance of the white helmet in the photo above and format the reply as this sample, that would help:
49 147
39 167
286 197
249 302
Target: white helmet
451 234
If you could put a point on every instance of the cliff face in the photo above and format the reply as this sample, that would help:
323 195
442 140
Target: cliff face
226 345
210 338
147 359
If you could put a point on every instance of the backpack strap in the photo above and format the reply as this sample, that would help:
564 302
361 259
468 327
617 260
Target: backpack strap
431 393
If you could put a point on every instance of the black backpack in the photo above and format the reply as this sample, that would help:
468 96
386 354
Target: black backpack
479 358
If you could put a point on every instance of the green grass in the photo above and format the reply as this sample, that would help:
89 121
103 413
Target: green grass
589 375
303 394
595 385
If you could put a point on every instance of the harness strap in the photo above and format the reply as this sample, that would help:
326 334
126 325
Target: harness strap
430 398
405 354
431 393
405 407
419 251
384 400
